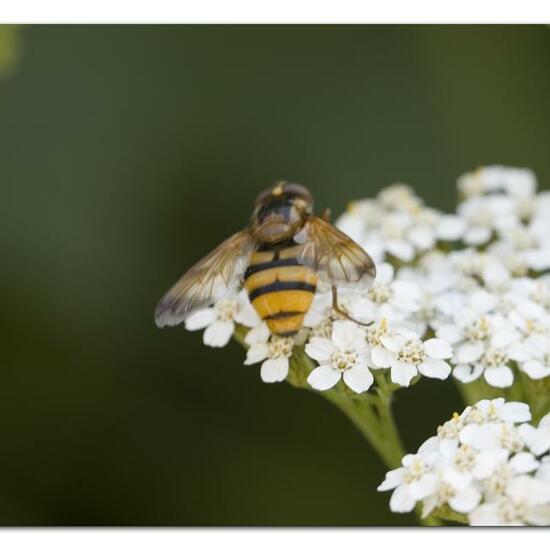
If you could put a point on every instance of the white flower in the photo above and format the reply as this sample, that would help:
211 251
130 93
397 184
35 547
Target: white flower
396 223
461 463
412 482
274 352
387 298
478 464
219 321
524 246
518 182
481 345
534 355
526 501
344 355
497 410
393 236
321 314
492 436
399 197
450 227
484 215
537 439
407 355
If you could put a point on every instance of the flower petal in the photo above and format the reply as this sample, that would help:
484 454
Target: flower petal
450 227
465 500
320 349
274 370
344 333
392 343
485 515
392 480
257 334
247 316
402 373
401 249
256 353
505 337
218 334
401 500
435 368
469 352
449 333
358 378
424 487
499 377
382 357
535 369
437 348
488 460
514 411
200 319
466 373
523 463
384 273
323 377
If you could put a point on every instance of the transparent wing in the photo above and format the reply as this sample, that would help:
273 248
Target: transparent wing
207 281
338 260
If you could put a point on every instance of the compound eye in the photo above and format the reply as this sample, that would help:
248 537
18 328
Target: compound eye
269 192
299 191
283 188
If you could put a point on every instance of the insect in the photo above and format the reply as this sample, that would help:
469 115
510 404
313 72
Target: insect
279 258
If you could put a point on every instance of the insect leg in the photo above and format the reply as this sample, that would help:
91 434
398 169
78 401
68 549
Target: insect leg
339 310
326 215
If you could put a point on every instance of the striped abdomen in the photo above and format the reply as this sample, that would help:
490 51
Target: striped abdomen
280 289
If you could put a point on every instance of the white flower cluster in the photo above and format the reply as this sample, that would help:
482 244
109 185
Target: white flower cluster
475 279
487 463
463 292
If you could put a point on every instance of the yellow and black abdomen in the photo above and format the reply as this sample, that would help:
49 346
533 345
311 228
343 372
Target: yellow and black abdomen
280 289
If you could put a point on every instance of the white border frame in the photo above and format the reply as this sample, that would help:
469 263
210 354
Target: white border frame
264 11
271 539
275 11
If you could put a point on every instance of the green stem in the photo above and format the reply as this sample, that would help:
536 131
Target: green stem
370 413
540 406
475 391
364 417
537 394
379 428
467 391
448 514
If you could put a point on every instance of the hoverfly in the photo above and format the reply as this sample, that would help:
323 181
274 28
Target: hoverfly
279 259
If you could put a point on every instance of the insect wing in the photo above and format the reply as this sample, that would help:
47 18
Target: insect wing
338 260
207 281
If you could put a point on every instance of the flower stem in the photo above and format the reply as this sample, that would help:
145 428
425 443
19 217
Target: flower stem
364 416
377 424
475 391
370 413
448 514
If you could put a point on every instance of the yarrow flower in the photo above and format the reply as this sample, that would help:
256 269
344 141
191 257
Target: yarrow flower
342 356
406 355
220 320
486 293
273 351
487 463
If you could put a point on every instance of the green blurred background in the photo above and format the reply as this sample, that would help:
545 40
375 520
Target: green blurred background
126 153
